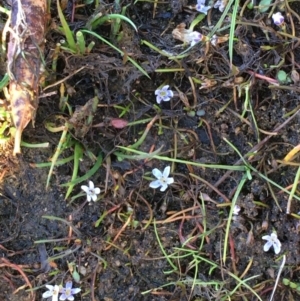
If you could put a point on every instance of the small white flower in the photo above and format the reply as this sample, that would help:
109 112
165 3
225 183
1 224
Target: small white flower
214 40
278 19
272 240
200 7
236 210
163 94
186 35
221 4
68 292
52 292
91 191
163 179
193 37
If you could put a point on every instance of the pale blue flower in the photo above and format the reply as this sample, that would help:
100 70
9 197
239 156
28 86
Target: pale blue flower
278 18
163 94
68 292
193 38
221 4
200 7
53 291
91 191
163 179
272 241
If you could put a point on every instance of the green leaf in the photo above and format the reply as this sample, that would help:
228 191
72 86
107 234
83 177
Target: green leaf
88 175
120 51
282 76
76 276
264 5
67 30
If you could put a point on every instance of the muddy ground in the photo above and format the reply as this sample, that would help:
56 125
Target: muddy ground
124 257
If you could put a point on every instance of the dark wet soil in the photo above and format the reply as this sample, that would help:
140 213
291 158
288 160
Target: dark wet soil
123 258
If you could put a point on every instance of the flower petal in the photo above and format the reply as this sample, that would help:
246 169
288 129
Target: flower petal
97 190
166 171
63 297
164 187
47 294
88 197
91 185
157 92
166 98
170 93
54 297
50 287
155 184
157 173
170 181
75 290
158 99
277 247
71 298
165 88
69 284
94 197
267 246
236 209
201 8
266 237
85 188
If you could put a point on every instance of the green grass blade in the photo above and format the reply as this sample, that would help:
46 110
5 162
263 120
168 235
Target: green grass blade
98 21
222 18
163 250
78 152
4 81
118 50
67 30
80 42
88 175
163 158
234 200
57 153
232 30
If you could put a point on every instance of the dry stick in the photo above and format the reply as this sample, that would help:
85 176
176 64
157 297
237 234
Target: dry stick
93 282
7 263
120 232
149 208
227 200
64 79
278 276
210 137
255 149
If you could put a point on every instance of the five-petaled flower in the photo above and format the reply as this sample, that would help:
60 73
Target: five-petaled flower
68 292
163 94
53 291
193 37
272 240
163 179
201 7
220 4
91 191
278 19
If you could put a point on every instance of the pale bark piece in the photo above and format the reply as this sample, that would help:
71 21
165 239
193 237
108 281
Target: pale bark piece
24 61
